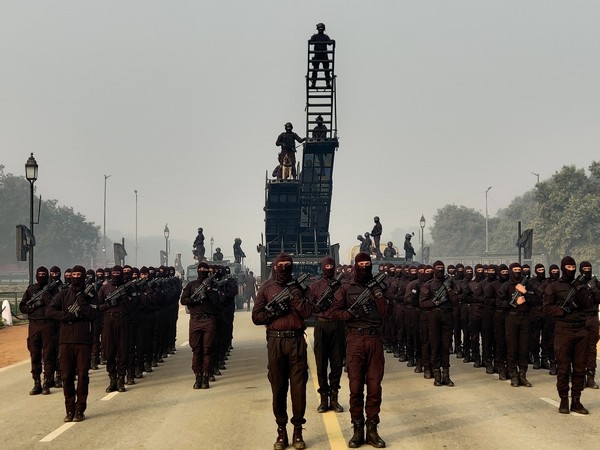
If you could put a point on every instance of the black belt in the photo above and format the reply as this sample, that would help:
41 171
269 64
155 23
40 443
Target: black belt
514 313
324 319
572 325
42 320
201 316
364 331
117 314
285 334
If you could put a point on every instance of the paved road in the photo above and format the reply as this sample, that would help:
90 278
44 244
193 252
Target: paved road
162 411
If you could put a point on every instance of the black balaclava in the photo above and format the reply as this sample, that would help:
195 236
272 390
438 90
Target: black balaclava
151 273
328 273
492 272
127 273
428 273
68 276
554 272
526 270
203 274
135 273
515 274
460 272
503 277
116 278
468 273
567 275
55 269
540 272
90 275
479 272
362 274
41 276
100 275
439 270
451 269
585 268
282 275
78 282
413 271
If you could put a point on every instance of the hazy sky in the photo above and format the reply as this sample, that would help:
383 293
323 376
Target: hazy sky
183 101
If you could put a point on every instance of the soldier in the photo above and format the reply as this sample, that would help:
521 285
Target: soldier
238 253
329 339
55 274
487 318
286 347
536 314
40 333
591 323
199 245
500 323
320 130
458 273
389 251
75 313
97 323
320 56
113 303
571 335
475 312
512 297
465 305
412 317
217 255
203 302
409 250
287 141
376 233
365 359
436 296
250 288
548 355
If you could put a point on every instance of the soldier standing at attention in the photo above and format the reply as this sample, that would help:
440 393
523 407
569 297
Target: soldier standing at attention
571 335
365 359
40 333
329 338
376 233
75 312
591 323
286 347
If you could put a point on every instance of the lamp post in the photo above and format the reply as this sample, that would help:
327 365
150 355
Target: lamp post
31 173
136 228
212 241
106 177
422 224
166 233
486 221
537 175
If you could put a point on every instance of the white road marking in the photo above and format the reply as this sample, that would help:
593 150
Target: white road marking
556 404
20 363
58 432
109 396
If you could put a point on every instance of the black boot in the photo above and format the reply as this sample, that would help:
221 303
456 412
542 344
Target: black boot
537 363
446 378
502 373
324 405
372 436
545 363
437 377
577 407
94 364
130 379
410 363
46 387
112 387
402 357
37 387
553 368
121 384
204 383
147 367
514 379
427 373
282 438
57 380
333 402
523 381
489 367
589 380
564 405
358 438
198 381
139 372
467 358
297 440
459 352
477 361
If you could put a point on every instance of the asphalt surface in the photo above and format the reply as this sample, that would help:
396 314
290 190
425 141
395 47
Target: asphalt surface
162 411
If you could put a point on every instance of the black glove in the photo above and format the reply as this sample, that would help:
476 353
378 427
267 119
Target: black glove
368 307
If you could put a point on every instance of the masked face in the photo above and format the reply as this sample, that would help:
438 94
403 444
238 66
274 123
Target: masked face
116 277
329 271
439 271
282 272
540 273
126 274
568 272
363 271
504 275
202 273
428 274
491 274
516 274
77 279
42 278
55 276
554 274
479 275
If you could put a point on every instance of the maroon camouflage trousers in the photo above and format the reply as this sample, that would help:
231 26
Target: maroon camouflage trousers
41 343
592 325
288 365
365 362
115 342
570 349
203 330
75 361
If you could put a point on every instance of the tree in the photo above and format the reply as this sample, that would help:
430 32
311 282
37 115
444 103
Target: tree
64 237
458 230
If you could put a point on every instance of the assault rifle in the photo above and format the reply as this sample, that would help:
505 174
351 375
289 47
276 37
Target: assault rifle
375 289
38 296
201 291
113 298
90 288
280 303
324 303
517 293
441 295
570 303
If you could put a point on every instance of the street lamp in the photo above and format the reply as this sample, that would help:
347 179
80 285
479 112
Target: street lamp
136 228
212 241
106 177
31 173
486 220
166 233
537 175
422 224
